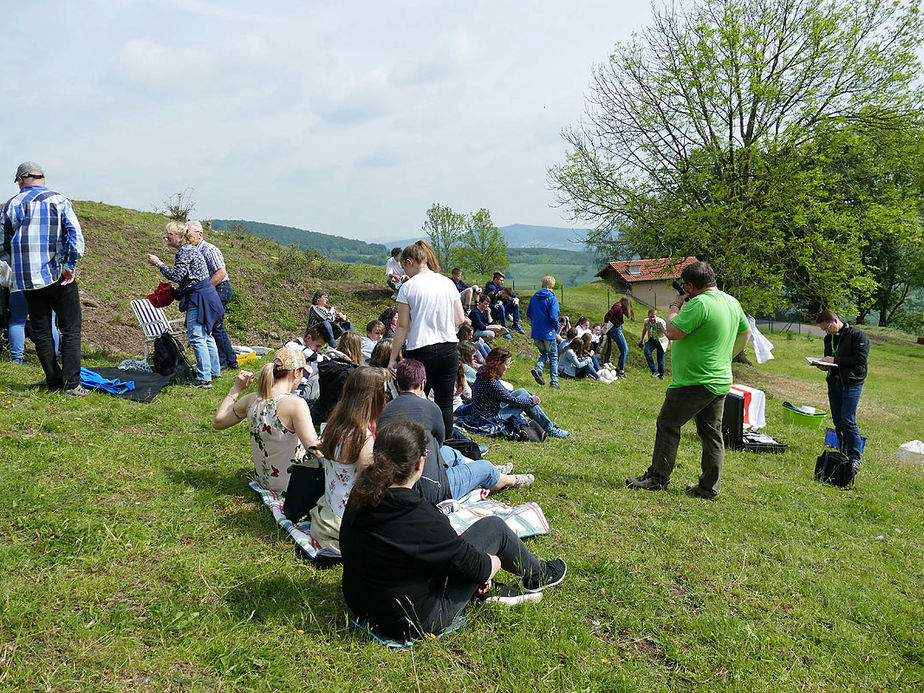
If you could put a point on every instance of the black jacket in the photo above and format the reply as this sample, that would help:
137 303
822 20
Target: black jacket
850 349
434 484
396 560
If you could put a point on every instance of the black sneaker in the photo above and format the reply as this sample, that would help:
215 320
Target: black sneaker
537 376
510 596
552 573
698 491
647 483
204 384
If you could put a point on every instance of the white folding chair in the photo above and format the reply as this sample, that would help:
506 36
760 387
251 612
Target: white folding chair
154 322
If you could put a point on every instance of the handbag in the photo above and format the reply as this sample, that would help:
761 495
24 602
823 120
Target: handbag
833 467
306 486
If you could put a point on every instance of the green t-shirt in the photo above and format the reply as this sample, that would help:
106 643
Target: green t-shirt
712 321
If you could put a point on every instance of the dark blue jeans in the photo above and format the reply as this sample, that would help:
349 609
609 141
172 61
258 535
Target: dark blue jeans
843 400
226 354
650 346
65 302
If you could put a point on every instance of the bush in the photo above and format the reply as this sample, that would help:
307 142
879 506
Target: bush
299 265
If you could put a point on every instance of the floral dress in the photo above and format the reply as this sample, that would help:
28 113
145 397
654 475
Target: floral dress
327 514
273 447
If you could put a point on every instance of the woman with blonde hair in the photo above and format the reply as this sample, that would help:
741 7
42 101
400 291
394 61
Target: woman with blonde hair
197 297
429 313
280 424
347 448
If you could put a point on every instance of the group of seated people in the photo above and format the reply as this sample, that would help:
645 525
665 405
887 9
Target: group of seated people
364 444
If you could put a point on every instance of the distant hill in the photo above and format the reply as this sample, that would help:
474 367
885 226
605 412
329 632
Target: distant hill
334 247
569 267
527 236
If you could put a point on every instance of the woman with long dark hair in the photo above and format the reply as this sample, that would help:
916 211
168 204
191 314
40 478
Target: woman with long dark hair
429 313
616 315
346 444
405 570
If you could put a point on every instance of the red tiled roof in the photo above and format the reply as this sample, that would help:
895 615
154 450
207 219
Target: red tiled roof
649 270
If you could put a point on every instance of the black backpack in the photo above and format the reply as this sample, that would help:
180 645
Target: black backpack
169 358
332 374
833 467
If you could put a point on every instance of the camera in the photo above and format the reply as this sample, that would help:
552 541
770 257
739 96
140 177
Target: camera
678 287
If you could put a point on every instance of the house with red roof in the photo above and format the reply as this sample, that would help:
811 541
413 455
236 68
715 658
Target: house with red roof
647 281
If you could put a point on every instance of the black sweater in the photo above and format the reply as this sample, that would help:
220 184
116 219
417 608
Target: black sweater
397 557
850 349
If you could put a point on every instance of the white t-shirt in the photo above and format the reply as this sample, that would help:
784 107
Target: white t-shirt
431 298
393 266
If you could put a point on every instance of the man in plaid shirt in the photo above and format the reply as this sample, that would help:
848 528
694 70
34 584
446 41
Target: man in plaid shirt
42 237
215 262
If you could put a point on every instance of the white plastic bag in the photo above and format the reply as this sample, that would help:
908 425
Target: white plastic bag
912 451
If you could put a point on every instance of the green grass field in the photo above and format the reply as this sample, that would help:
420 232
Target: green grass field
135 558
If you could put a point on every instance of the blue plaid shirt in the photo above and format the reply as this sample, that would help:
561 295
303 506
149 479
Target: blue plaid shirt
214 260
41 235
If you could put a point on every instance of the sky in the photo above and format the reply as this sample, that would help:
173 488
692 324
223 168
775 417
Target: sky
347 118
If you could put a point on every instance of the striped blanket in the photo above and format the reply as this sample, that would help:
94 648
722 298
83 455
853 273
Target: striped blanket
527 520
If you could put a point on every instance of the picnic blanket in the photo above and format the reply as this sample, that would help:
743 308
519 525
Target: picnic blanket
527 520
147 384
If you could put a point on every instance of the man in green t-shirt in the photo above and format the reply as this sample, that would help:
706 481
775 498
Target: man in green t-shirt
708 328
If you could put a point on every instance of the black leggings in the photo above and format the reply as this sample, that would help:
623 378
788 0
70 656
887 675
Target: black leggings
491 535
441 363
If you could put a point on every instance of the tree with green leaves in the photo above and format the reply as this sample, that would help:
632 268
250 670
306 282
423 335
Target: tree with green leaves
483 248
692 138
444 229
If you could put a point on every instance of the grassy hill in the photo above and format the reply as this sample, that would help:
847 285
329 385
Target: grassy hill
273 284
135 558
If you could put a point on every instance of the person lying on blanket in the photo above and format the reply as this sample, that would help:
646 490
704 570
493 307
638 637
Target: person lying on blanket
405 570
280 423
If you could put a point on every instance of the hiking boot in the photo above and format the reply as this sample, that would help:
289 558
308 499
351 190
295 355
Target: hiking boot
510 596
78 391
698 491
521 480
519 329
646 482
506 468
557 432
551 574
537 376
204 384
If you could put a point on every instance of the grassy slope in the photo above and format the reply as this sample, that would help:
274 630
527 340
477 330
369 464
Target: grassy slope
135 558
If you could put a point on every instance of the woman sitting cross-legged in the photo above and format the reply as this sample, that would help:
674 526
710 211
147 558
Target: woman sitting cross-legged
490 399
279 421
405 570
347 447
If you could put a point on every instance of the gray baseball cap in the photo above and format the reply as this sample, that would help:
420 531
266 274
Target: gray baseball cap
29 169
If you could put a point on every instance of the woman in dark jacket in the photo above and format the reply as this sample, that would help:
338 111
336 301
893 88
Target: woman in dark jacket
405 570
197 297
490 399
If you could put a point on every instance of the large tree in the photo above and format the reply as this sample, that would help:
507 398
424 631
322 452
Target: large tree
691 140
483 248
444 229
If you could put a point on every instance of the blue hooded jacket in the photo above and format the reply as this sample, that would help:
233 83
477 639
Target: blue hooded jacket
543 314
